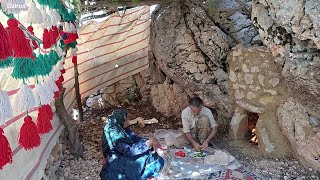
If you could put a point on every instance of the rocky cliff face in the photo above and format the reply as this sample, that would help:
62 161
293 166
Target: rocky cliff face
290 29
191 46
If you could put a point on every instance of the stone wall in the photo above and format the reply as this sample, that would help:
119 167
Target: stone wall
256 85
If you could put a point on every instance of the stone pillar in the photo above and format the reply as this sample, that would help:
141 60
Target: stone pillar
239 124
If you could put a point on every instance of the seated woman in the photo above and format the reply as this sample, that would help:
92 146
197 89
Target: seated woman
128 156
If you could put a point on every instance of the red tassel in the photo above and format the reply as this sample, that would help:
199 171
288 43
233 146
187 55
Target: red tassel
74 60
46 39
56 94
59 85
20 43
34 43
48 109
61 78
54 34
43 121
5 150
29 137
5 44
71 38
63 71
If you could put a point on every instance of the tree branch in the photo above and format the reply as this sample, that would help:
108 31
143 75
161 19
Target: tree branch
76 148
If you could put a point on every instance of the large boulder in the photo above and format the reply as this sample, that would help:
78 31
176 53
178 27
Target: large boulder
191 47
301 131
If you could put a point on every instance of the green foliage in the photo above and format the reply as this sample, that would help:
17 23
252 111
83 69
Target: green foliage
211 6
76 7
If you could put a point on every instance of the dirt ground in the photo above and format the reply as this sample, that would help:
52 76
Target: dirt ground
247 153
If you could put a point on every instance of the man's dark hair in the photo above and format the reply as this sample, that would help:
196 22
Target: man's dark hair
195 101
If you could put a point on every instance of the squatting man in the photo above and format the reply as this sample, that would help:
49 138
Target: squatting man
199 126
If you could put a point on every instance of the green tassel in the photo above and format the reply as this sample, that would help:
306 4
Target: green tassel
42 2
44 66
72 45
54 58
62 44
56 4
24 68
5 63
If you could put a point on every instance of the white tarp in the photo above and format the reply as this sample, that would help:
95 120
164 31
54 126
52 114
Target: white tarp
110 51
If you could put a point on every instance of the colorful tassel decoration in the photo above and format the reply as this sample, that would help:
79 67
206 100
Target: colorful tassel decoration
20 43
25 99
6 52
59 85
53 86
43 94
5 150
29 137
55 17
74 60
23 68
46 20
63 71
44 66
5 44
5 6
54 34
57 73
46 39
34 43
49 111
34 15
43 121
60 52
5 107
61 78
74 51
53 58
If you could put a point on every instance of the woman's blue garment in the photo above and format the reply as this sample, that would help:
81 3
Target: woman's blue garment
128 156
